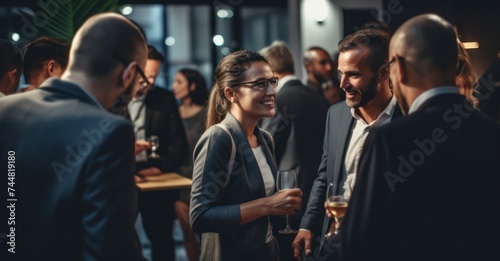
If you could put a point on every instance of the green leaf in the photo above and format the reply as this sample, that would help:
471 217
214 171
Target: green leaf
68 16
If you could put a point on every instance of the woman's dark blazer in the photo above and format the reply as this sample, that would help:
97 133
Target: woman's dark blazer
216 195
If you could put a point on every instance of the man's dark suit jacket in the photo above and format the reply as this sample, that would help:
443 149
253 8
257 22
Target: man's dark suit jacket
163 120
339 125
298 129
74 186
427 187
157 207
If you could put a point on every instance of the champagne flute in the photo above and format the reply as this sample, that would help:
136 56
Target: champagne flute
336 204
286 179
155 143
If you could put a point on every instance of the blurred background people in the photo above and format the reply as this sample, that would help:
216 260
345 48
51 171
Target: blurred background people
331 88
11 68
298 129
73 159
319 70
467 79
234 196
190 89
154 112
44 57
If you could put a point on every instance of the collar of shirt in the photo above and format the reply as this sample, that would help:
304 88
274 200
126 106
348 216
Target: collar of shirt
284 80
432 93
387 112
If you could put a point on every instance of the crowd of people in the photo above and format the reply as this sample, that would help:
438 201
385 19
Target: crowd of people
399 125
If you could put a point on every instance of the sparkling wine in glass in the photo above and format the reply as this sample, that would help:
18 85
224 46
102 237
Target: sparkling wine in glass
155 143
286 179
337 205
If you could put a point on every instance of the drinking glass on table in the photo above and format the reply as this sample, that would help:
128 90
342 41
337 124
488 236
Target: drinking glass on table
336 204
286 179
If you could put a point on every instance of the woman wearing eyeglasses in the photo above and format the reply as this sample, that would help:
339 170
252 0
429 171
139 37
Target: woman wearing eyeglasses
233 191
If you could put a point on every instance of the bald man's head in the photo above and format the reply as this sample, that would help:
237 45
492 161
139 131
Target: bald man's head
429 42
105 41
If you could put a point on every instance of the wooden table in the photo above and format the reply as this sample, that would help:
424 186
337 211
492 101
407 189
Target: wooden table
164 181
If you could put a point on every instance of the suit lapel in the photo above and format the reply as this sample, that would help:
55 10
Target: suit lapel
246 157
343 135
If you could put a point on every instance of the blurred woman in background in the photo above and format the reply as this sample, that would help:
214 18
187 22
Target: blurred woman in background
466 79
190 89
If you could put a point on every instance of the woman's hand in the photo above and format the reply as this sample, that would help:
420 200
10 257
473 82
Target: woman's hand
285 202
281 203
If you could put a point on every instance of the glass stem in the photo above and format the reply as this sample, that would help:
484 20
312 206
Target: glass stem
287 222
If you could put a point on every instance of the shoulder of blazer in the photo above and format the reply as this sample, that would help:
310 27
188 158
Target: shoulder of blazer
339 111
268 138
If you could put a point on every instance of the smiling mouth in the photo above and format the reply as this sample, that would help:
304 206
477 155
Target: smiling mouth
350 93
268 103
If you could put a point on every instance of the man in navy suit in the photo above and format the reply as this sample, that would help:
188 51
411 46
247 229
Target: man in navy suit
428 182
297 128
363 66
70 161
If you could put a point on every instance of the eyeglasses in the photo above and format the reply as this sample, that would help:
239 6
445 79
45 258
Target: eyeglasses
259 84
144 83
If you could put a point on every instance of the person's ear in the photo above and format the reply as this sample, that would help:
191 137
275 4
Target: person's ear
51 67
12 75
402 69
230 95
383 73
128 75
192 86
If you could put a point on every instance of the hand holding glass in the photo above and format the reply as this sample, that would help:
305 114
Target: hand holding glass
286 179
155 143
336 205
